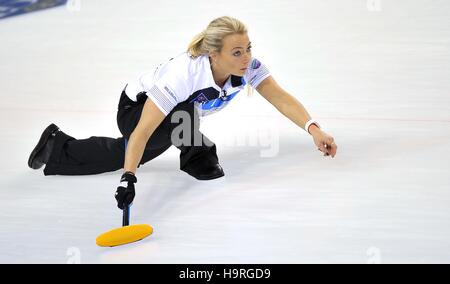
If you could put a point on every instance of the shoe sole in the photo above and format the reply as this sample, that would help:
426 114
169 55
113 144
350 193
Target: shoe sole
41 144
211 177
207 177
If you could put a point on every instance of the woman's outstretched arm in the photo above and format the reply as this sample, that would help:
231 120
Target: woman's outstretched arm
290 107
151 118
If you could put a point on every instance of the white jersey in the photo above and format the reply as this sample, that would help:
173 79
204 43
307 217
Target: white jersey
187 79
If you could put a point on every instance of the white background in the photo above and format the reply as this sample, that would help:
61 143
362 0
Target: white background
374 73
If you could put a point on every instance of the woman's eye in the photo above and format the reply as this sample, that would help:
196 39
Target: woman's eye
238 53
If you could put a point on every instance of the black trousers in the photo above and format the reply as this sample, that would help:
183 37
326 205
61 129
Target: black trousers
97 155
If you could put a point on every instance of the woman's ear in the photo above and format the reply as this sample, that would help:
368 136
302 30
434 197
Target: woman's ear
213 56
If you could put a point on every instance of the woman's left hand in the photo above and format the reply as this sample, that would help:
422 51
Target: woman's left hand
325 143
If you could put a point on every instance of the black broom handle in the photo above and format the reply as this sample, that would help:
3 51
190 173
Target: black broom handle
126 216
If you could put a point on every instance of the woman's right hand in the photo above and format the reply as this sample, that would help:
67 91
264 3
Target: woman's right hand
125 191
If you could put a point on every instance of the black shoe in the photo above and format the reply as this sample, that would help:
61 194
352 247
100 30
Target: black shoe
40 154
202 170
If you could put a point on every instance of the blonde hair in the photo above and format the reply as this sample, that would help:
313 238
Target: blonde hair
211 39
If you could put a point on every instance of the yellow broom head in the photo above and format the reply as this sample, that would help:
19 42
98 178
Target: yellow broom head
124 235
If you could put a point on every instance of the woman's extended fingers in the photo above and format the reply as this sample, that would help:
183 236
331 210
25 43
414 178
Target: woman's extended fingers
331 149
322 148
325 144
328 149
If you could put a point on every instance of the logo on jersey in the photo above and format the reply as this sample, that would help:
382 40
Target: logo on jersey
255 64
200 99
170 92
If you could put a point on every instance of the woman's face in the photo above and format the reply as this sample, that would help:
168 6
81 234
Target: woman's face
235 54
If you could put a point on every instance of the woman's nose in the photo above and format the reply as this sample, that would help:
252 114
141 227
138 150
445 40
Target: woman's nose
247 58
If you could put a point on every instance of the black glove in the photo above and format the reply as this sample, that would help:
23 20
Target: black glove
125 191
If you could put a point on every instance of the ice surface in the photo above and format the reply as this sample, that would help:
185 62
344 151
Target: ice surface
374 73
